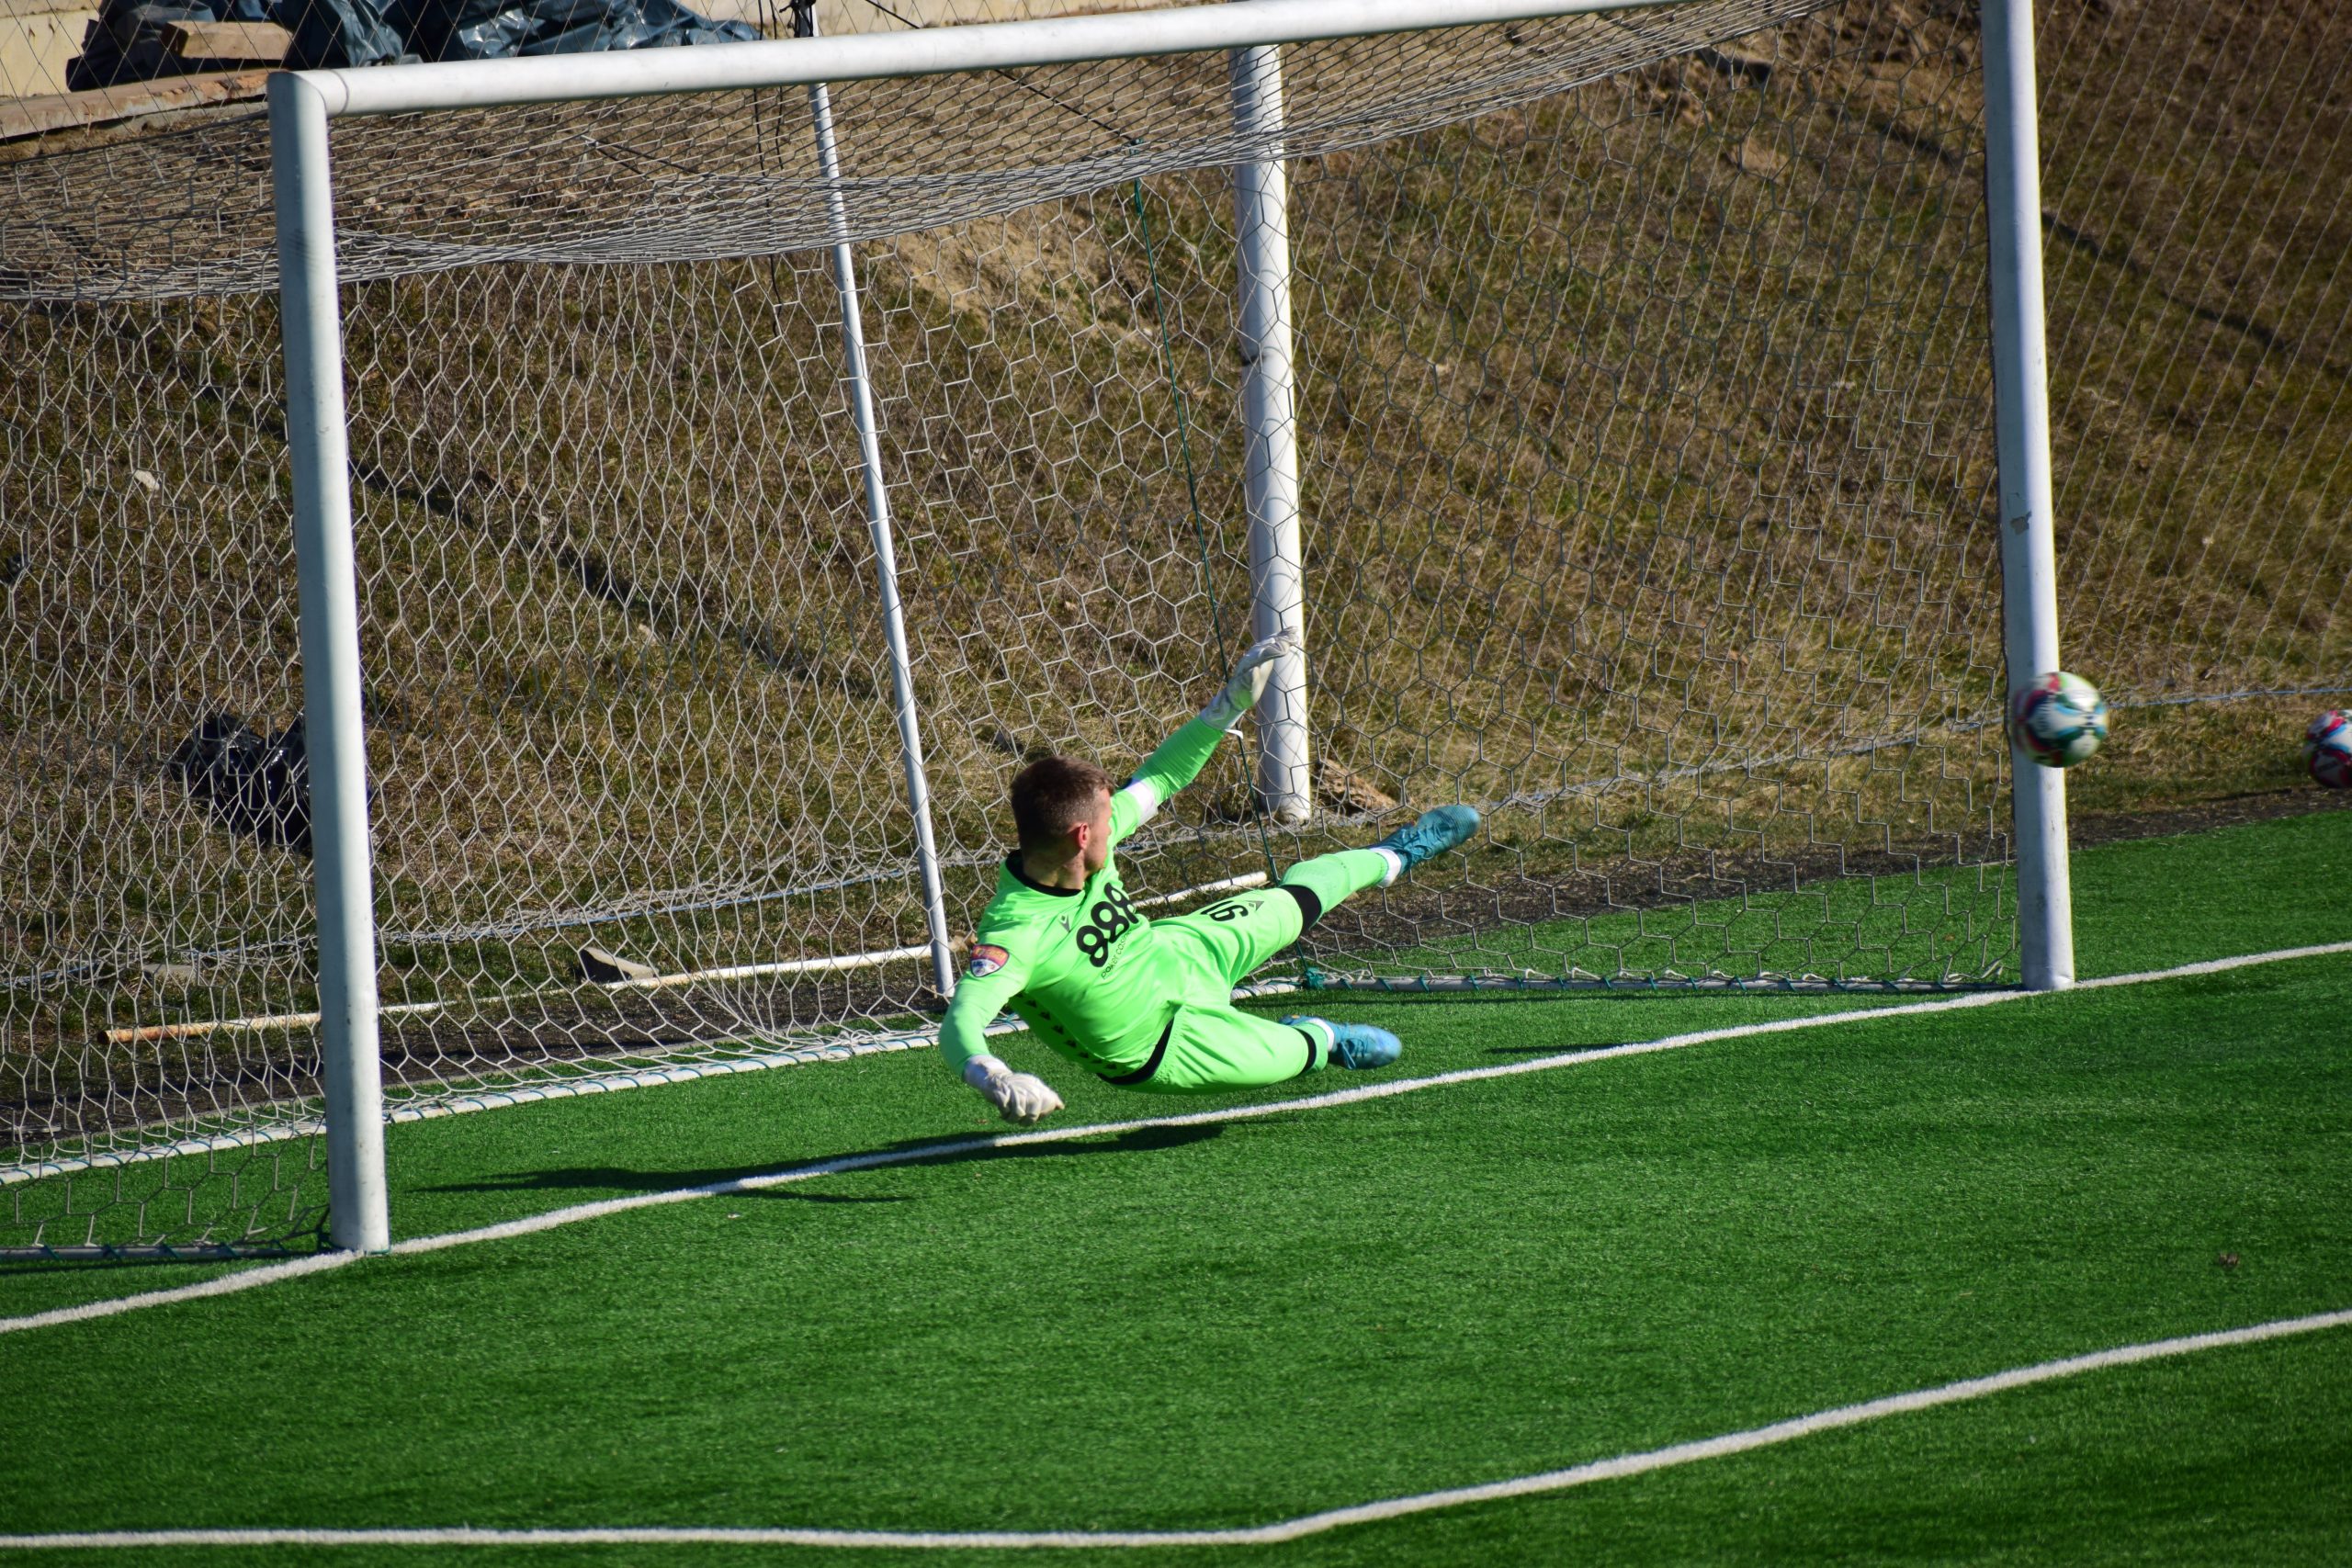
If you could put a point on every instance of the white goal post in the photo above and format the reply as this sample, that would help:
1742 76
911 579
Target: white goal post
302 107
2028 518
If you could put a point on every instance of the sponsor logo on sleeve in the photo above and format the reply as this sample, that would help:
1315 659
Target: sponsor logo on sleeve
986 961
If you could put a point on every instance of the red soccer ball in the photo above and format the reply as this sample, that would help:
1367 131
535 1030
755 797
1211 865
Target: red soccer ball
2327 749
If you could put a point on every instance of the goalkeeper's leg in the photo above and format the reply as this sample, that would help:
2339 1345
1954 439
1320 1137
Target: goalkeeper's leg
1211 1045
1324 881
1217 947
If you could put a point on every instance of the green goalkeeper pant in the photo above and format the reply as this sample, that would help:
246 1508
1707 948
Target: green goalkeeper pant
1209 1043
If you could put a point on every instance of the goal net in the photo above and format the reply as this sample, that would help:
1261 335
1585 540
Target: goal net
1642 411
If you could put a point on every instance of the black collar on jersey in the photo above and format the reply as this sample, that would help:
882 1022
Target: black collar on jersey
1013 864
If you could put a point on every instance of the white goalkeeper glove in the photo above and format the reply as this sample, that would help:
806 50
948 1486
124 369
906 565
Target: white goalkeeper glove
1023 1096
1247 683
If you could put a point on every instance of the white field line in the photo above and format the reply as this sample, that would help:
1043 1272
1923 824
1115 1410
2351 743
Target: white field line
271 1273
1615 1469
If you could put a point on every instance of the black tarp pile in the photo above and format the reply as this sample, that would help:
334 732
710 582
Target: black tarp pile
126 43
492 29
258 785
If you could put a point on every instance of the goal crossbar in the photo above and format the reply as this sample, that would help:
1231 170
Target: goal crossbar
928 52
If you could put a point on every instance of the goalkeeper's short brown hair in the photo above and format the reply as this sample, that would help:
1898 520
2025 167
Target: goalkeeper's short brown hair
1053 795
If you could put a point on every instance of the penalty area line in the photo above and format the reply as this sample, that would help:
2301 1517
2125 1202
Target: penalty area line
1614 1469
842 1164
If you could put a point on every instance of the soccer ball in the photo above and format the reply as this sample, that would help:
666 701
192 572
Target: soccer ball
2058 719
2327 749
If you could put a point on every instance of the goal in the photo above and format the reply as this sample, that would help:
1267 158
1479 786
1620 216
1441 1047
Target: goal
714 472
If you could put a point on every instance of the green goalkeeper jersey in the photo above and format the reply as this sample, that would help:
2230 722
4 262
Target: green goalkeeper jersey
1077 965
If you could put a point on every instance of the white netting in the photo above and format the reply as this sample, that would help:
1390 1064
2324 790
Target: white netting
1645 425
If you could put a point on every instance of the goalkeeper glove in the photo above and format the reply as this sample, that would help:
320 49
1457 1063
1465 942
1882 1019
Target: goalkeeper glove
1023 1096
1247 683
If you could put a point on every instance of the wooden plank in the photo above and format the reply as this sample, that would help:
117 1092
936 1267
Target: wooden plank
255 43
101 106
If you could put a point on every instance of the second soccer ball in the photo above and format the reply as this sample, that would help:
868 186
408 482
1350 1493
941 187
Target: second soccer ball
2327 749
2058 719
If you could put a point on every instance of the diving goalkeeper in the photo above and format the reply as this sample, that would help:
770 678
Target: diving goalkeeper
1148 1004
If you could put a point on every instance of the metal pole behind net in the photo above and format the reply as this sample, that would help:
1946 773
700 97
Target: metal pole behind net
878 505
326 565
1277 583
2028 548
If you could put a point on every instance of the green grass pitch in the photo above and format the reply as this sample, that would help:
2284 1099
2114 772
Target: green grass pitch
1231 1324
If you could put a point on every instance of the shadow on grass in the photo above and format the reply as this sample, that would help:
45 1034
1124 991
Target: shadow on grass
948 1151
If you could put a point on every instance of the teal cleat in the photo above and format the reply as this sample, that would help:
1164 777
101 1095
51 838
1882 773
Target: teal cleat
1357 1046
1439 829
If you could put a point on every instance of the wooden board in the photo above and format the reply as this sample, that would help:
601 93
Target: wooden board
101 106
243 43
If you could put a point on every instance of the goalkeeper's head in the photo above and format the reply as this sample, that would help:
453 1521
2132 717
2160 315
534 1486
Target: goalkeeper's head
1061 808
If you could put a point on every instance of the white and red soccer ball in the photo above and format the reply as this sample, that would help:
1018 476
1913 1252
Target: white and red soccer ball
2327 749
2057 719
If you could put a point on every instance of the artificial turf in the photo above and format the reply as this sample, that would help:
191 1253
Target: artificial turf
2140 905
1233 1324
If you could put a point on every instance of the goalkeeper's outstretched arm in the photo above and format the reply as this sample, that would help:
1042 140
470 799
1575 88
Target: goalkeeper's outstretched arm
964 1042
1180 759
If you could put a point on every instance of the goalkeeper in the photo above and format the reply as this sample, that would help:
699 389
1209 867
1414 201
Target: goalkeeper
1147 1005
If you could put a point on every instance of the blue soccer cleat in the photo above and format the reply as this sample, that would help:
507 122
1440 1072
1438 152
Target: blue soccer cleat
1438 830
1357 1046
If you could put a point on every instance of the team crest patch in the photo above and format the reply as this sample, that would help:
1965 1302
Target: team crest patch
986 961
